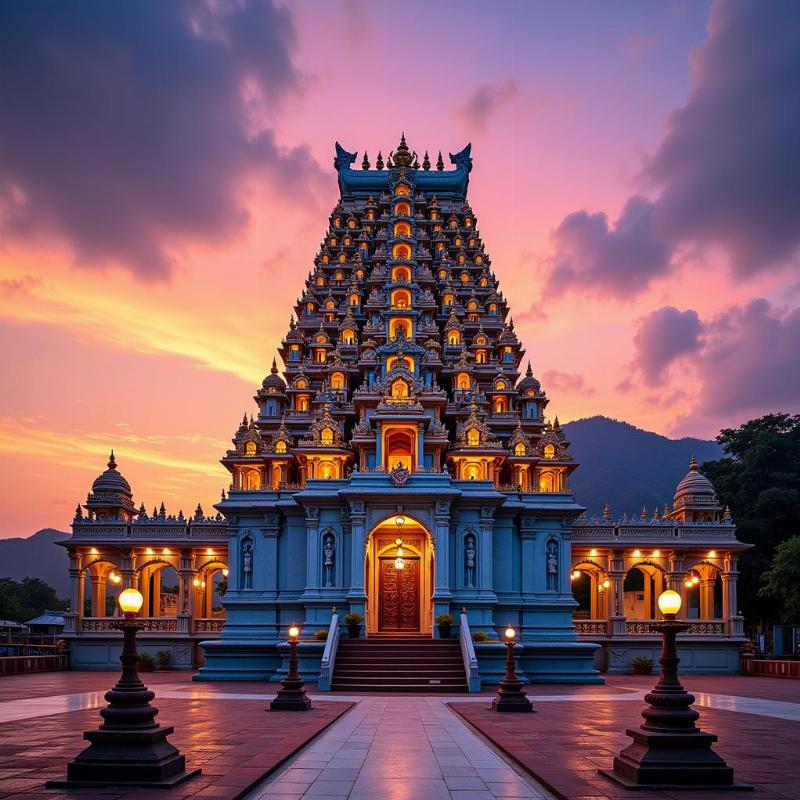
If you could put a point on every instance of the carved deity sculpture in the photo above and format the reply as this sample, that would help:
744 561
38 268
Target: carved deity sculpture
552 566
469 560
247 564
328 553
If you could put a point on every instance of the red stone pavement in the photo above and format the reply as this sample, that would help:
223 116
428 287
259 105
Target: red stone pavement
236 743
564 743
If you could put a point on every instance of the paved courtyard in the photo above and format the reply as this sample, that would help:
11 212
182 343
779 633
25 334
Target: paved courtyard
397 747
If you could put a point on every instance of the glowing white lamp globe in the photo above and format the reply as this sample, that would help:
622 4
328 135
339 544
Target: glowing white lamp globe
294 631
130 600
669 602
510 633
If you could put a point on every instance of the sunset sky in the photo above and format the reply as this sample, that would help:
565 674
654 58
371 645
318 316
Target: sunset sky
166 175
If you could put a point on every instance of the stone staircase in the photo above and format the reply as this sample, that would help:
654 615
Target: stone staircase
399 664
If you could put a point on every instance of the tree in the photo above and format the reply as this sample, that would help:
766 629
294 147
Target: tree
758 479
779 582
26 599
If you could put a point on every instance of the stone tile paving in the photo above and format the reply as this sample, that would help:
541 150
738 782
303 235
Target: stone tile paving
399 748
235 743
565 742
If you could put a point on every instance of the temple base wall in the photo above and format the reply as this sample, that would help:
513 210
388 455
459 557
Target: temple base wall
697 657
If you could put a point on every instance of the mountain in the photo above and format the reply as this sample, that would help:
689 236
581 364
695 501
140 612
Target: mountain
37 557
628 467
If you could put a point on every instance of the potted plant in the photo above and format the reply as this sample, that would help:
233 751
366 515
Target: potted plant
145 662
444 622
353 621
163 657
642 665
321 635
479 636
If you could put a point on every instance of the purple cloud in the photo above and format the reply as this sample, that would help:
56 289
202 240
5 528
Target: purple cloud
664 336
726 175
127 128
616 259
567 382
485 100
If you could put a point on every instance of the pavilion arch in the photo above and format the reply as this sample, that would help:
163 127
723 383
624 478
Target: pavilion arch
644 581
149 576
703 600
98 571
414 584
589 590
206 573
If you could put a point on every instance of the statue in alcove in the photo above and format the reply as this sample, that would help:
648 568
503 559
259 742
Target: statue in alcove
469 561
247 564
552 566
328 554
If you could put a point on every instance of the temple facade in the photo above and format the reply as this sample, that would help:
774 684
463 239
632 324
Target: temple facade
402 468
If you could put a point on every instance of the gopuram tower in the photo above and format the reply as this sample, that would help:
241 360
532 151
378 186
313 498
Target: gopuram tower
401 466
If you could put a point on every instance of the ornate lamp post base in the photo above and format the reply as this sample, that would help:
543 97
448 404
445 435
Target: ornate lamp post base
669 751
129 748
510 696
292 694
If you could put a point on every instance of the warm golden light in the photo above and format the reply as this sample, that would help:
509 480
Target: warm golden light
695 580
225 573
687 583
399 521
712 553
593 552
294 631
130 600
196 582
510 633
656 553
93 551
149 551
165 552
399 563
209 551
637 553
606 584
669 602
398 541
576 574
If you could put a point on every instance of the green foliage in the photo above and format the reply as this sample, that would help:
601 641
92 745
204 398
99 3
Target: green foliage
145 660
321 635
163 657
758 479
642 662
780 581
26 599
353 618
444 619
479 636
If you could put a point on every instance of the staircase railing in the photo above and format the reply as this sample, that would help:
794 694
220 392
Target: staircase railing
329 654
468 655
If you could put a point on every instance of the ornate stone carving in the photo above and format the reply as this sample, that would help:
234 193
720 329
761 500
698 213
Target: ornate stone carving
551 558
469 560
328 556
247 563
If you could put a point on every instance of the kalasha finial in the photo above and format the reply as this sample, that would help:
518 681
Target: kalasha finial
403 157
693 464
365 162
379 161
607 513
112 464
529 373
643 515
426 162
274 368
440 162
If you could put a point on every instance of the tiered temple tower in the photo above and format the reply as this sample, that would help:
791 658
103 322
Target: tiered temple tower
400 469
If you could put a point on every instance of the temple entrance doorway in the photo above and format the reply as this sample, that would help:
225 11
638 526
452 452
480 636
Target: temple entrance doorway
399 578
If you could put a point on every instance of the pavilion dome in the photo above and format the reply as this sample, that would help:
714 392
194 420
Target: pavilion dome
274 379
694 483
528 383
112 481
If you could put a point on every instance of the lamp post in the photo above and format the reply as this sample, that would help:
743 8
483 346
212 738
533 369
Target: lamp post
292 694
510 696
668 749
129 748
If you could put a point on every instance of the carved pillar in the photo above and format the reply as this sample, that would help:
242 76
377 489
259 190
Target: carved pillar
312 551
420 447
76 583
617 578
269 563
730 612
675 579
441 539
707 598
155 600
379 446
527 535
358 518
485 572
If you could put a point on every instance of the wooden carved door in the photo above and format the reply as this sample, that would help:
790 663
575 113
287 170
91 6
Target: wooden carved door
399 596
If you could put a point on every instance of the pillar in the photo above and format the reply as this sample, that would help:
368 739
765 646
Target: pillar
707 598
485 576
358 518
379 446
441 538
420 465
156 594
527 533
730 576
76 581
312 551
617 577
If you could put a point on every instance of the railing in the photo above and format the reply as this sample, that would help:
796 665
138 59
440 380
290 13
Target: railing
208 624
13 665
329 654
468 655
650 530
592 627
702 627
148 624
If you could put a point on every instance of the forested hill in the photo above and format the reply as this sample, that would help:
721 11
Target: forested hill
37 557
628 467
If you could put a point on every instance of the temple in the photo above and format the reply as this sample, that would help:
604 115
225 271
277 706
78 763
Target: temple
401 469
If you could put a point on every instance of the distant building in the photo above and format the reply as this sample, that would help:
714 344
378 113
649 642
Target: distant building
401 468
50 623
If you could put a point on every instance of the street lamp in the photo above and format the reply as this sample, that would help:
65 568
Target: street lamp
668 749
129 748
510 696
292 694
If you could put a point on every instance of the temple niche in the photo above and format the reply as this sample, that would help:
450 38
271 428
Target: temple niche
403 464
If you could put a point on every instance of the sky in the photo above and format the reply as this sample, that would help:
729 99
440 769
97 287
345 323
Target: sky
166 177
